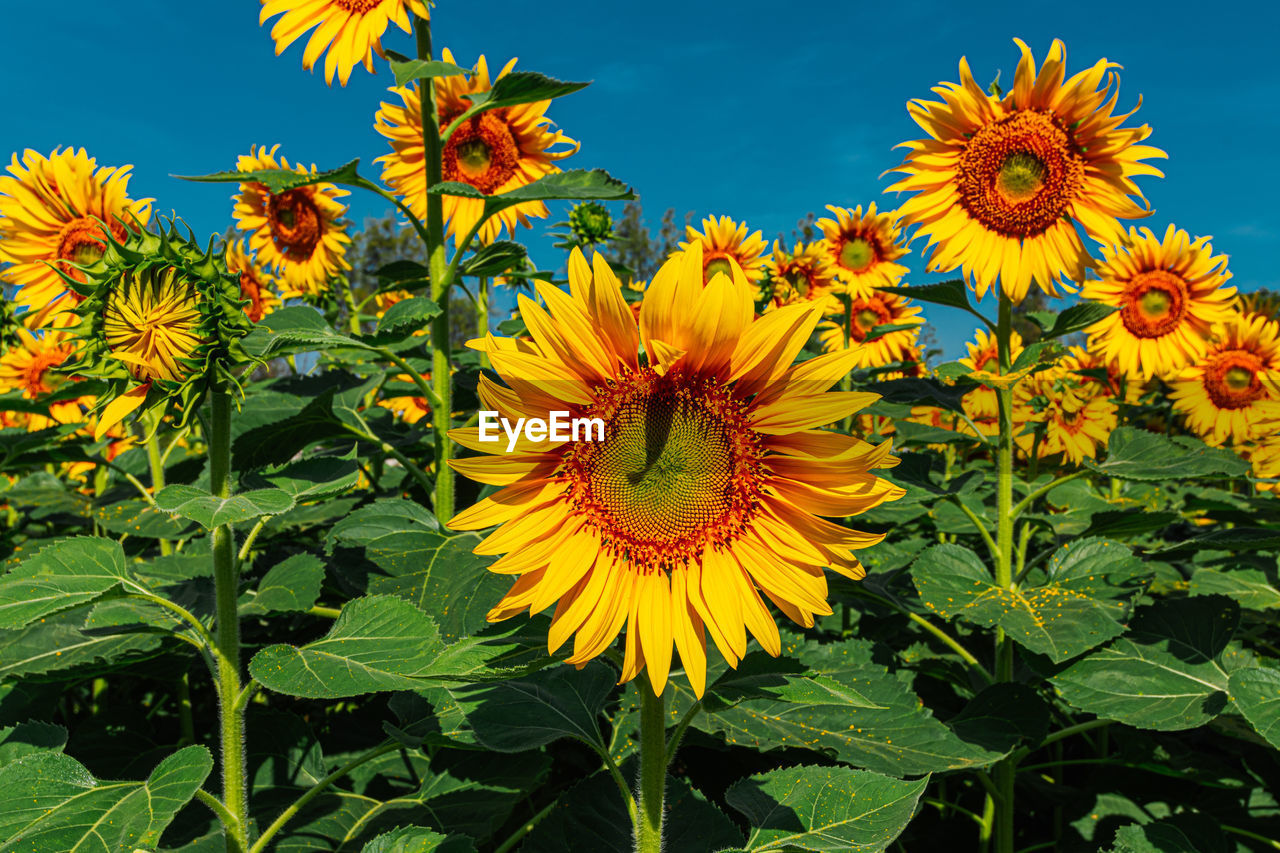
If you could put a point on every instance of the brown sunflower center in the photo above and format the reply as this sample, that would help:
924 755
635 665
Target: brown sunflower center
251 289
295 222
1231 379
719 264
1019 175
81 242
858 253
867 314
679 468
482 152
357 7
799 280
35 377
151 324
1154 303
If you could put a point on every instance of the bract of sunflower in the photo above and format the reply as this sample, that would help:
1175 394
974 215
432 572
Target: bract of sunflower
160 323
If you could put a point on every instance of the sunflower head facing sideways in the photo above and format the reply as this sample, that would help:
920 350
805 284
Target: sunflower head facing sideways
1002 181
160 321
863 248
725 246
695 490
54 212
1172 294
495 151
257 284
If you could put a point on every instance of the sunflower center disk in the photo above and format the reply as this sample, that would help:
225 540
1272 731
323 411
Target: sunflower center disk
357 7
679 468
716 265
295 222
1231 379
1020 175
80 242
1154 303
482 152
857 254
150 323
866 316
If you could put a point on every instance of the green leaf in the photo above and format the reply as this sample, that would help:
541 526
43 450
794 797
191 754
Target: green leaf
417 839
1074 611
1134 454
30 738
1228 539
280 440
575 184
385 517
1003 715
762 676
526 713
1249 587
951 293
403 270
1129 522
290 586
1078 318
60 644
1165 673
521 87
824 808
209 511
420 69
1256 692
281 180
313 479
1040 352
377 643
493 259
920 392
407 316
62 575
880 331
49 801
1181 833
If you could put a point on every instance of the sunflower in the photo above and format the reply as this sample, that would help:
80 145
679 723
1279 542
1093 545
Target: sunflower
161 322
1264 456
725 246
496 151
298 232
984 358
864 313
257 284
1101 375
1171 293
406 407
1232 394
31 367
805 274
348 32
1002 182
52 211
862 248
1076 418
704 488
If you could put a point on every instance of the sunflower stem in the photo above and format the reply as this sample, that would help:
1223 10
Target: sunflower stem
156 463
227 631
653 771
1005 771
437 264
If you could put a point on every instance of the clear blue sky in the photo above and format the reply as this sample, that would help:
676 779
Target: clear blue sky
763 111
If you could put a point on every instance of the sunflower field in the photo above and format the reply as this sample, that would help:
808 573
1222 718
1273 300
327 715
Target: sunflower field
444 548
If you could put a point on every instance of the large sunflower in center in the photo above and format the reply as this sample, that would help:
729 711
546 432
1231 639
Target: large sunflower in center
703 495
495 151
1002 182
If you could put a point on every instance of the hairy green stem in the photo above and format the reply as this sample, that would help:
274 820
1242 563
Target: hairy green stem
235 794
441 368
1005 771
156 462
653 771
1026 502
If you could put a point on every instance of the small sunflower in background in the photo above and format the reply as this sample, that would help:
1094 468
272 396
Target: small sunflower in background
804 274
980 403
1102 375
704 495
495 151
257 284
409 408
1264 456
31 366
161 322
876 308
1002 182
1171 292
347 32
299 233
725 245
52 215
1073 420
1231 395
863 248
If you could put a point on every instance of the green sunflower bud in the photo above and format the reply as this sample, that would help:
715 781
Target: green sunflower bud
590 223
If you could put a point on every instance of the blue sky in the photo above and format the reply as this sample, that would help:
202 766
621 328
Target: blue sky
762 111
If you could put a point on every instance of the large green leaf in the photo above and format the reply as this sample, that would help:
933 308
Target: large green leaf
952 293
312 479
824 808
1166 673
417 839
898 736
1077 318
1228 539
278 441
377 643
60 644
1256 692
1249 587
210 511
526 713
49 801
62 575
1075 609
1182 833
291 585
575 184
30 738
282 180
493 259
406 317
1135 454
136 517
519 87
419 69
